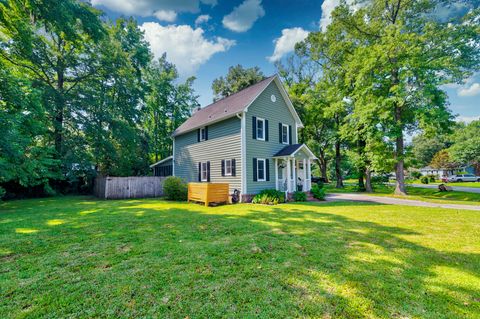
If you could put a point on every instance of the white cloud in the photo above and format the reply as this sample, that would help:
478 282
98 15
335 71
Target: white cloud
472 90
166 15
286 43
327 8
467 119
244 16
187 48
202 19
148 8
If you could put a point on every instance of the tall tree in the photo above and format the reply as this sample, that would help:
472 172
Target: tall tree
236 79
466 145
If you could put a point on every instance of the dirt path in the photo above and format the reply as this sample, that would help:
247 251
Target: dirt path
395 201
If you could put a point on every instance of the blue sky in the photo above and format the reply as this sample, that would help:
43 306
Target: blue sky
205 37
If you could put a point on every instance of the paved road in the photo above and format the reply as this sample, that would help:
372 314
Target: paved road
455 188
395 201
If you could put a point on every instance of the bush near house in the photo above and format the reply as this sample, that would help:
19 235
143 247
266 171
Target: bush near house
174 188
424 179
416 175
299 196
318 192
269 197
432 178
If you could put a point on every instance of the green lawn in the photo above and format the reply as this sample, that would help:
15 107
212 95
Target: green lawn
78 257
416 193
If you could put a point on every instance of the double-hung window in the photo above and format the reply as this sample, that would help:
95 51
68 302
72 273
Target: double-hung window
228 167
261 170
285 134
260 129
203 134
204 172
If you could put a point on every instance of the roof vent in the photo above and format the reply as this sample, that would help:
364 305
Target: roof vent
195 110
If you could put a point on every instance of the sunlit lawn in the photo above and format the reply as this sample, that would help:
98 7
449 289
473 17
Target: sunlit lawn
79 257
416 193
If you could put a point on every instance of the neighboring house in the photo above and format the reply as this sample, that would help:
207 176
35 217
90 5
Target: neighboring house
445 172
248 140
163 167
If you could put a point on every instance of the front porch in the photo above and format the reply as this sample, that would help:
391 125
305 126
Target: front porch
293 168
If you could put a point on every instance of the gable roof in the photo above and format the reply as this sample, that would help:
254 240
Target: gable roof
291 150
232 105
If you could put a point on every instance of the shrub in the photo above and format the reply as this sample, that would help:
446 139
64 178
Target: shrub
424 179
320 183
2 192
174 188
318 192
432 178
416 174
299 196
269 197
380 179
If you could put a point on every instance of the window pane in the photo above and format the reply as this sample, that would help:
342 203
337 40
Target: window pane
228 167
259 129
284 134
261 169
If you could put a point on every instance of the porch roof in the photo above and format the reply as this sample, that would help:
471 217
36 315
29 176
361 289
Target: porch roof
291 150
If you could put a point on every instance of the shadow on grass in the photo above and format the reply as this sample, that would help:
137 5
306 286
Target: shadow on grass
154 258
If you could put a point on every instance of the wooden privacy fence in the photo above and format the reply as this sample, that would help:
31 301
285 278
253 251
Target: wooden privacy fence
128 187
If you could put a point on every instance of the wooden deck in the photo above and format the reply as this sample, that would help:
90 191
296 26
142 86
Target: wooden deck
208 192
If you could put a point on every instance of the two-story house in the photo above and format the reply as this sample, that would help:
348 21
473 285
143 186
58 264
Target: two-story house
248 140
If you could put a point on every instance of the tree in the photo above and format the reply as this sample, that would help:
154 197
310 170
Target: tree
466 145
236 79
442 160
425 147
402 57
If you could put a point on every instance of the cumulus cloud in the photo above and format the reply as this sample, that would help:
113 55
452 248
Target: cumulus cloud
327 8
244 16
467 119
202 19
187 48
286 43
146 8
471 90
166 15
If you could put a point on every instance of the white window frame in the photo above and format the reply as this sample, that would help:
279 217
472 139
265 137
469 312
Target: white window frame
264 170
228 164
288 134
204 170
203 134
259 119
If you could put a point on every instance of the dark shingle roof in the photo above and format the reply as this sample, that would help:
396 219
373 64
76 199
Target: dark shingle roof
224 108
288 150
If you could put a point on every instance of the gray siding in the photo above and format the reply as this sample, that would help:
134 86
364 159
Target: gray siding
275 112
223 143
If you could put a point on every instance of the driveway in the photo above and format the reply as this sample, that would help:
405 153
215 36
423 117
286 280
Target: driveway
394 201
455 188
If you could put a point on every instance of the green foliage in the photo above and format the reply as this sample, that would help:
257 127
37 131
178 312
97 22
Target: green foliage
2 192
424 179
432 178
416 174
318 192
466 146
175 188
299 196
237 79
425 147
269 197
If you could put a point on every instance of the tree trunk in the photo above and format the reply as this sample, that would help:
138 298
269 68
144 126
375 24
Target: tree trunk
322 163
338 163
361 183
399 166
368 180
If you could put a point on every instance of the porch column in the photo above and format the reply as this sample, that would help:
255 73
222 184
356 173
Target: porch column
276 174
305 175
288 176
294 174
309 174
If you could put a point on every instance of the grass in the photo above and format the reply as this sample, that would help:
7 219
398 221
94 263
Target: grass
416 193
80 257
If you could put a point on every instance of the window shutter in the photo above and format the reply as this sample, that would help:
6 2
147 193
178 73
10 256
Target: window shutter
266 130
290 134
199 171
254 169
267 170
206 133
254 127
208 171
223 167
234 168
280 133
198 135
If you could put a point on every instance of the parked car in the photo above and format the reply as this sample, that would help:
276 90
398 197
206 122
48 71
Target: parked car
463 178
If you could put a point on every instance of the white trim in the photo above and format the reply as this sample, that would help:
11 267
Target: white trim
288 134
276 174
263 130
264 179
303 146
243 149
165 159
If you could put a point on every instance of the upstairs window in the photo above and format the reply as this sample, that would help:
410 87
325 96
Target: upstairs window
203 134
285 134
260 129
